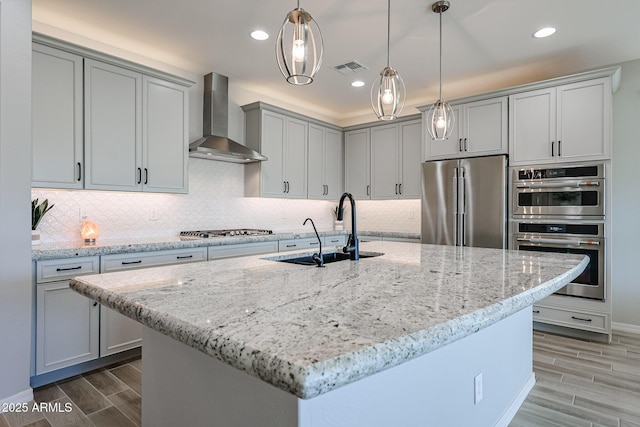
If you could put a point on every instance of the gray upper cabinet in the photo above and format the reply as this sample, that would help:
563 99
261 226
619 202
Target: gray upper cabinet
305 156
113 127
165 136
326 163
135 131
396 153
570 122
357 163
106 126
57 160
383 161
283 139
480 129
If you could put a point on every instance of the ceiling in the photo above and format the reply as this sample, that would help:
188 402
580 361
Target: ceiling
487 44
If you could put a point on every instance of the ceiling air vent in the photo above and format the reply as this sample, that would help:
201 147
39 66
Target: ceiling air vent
350 67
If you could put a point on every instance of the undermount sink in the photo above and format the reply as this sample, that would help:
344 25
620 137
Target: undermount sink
327 258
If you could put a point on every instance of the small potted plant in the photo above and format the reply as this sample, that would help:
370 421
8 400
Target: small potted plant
337 225
38 210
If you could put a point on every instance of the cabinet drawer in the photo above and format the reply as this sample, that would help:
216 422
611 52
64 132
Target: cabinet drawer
296 244
118 262
60 269
571 318
339 240
242 249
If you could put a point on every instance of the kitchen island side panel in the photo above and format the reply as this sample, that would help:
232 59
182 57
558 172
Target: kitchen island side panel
185 387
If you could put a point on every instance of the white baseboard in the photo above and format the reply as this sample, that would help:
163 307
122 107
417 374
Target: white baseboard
512 410
625 327
22 397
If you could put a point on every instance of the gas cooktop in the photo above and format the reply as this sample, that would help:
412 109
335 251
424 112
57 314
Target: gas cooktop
206 234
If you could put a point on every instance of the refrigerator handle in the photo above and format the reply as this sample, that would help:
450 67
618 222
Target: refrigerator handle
455 206
463 206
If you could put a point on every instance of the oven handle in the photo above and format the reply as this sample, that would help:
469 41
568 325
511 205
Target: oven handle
560 184
558 241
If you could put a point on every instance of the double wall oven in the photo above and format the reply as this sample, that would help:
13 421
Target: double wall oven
562 210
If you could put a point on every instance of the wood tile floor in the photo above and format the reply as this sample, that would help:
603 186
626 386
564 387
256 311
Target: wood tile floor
581 383
578 383
108 397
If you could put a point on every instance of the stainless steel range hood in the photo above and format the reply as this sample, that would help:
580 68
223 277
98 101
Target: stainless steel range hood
214 144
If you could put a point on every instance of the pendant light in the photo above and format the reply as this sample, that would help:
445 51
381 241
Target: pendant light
299 47
388 92
440 119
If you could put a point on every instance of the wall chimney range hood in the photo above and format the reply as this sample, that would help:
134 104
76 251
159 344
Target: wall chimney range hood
214 144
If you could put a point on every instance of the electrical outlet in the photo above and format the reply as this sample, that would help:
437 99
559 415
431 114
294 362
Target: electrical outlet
477 387
153 214
82 215
411 214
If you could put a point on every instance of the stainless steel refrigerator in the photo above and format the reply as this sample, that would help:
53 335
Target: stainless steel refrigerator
464 202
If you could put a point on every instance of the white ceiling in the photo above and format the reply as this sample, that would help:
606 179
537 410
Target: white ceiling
487 43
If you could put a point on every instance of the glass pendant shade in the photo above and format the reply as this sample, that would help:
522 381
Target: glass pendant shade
440 120
299 47
388 94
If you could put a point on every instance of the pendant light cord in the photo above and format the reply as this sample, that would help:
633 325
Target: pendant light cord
388 30
440 14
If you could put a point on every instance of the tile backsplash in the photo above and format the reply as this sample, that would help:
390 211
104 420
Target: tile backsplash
215 201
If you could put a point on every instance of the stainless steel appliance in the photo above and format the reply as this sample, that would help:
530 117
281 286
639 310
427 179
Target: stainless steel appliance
464 202
583 238
206 234
567 191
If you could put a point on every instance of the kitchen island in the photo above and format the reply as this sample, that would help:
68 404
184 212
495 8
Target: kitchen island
397 339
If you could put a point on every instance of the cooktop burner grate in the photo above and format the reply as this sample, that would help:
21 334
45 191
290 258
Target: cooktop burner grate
205 234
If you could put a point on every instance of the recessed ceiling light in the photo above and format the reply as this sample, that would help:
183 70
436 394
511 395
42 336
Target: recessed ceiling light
544 32
357 83
259 35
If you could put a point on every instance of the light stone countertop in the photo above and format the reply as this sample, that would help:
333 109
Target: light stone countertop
76 248
308 330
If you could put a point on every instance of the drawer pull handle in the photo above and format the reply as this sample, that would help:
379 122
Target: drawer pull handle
536 311
335 241
185 257
291 246
131 262
313 243
581 318
69 269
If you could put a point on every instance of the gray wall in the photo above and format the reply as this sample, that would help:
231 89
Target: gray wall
15 191
625 280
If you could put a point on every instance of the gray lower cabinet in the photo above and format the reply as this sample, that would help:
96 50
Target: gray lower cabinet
242 249
67 323
118 332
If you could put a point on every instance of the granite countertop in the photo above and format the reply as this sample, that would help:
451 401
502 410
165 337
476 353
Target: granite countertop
308 330
70 249
76 248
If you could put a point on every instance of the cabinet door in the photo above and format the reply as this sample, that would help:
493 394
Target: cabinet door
113 131
532 127
333 164
584 120
66 327
57 146
411 146
485 129
164 136
451 147
272 146
295 158
118 332
316 162
384 162
357 163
